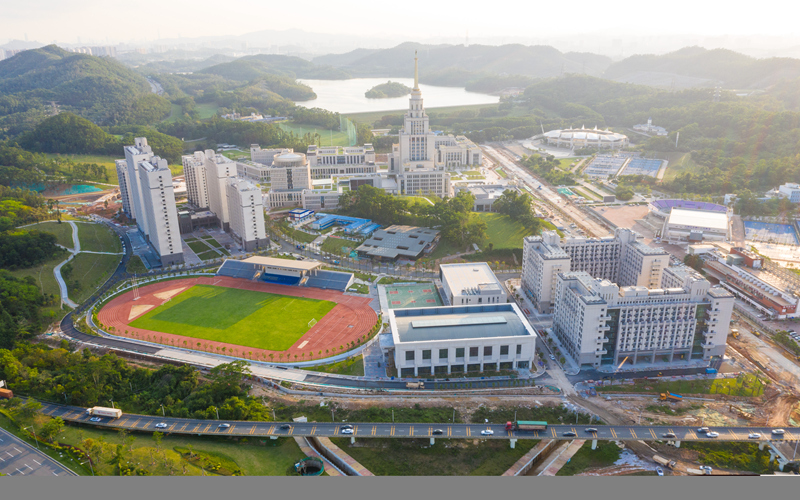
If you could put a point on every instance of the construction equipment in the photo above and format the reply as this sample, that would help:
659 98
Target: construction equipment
664 461
671 397
415 385
735 333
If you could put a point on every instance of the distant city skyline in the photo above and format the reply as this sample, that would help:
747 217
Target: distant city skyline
586 27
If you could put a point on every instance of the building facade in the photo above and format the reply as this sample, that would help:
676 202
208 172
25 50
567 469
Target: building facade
159 215
124 187
791 191
218 170
247 214
194 171
542 261
471 283
600 323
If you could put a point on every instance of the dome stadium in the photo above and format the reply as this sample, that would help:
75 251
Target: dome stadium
577 138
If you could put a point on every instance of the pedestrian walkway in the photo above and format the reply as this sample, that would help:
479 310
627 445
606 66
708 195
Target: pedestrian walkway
562 458
311 452
530 459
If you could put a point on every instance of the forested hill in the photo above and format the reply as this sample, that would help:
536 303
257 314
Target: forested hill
533 61
100 89
696 66
251 67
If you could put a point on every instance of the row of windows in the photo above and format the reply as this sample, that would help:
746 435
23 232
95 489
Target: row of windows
473 352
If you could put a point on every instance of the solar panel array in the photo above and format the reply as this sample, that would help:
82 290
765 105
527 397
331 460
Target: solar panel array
330 280
603 166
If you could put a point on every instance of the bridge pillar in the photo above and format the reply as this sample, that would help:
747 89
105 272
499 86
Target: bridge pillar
433 441
513 443
352 439
761 445
677 444
273 437
594 444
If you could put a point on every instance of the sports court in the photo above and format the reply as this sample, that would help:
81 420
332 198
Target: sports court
421 295
766 232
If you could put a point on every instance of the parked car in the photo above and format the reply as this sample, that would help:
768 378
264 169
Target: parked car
754 435
552 357
161 425
659 471
224 426
712 434
487 432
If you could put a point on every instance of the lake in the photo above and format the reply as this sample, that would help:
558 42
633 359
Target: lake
347 96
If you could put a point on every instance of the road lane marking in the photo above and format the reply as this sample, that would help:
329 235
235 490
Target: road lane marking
271 429
20 471
374 429
336 431
412 431
38 462
614 433
136 423
633 433
2 459
449 431
230 429
536 434
17 449
253 429
184 426
206 429
469 431
553 431
653 434
392 431
196 427
291 430
734 436
172 426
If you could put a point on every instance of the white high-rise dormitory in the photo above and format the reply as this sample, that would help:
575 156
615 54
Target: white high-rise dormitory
600 323
209 181
147 197
620 259
247 214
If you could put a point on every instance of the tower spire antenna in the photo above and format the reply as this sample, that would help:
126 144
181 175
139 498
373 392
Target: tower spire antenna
416 72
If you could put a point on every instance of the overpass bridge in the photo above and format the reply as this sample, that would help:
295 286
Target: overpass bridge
449 430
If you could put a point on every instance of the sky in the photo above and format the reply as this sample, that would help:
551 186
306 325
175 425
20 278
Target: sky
148 20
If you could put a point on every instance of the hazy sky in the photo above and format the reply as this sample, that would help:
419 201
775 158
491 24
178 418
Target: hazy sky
96 20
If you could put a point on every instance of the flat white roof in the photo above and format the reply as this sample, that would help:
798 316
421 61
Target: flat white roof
699 218
470 278
299 265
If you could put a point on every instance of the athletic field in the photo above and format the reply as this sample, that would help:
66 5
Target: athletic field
402 297
236 316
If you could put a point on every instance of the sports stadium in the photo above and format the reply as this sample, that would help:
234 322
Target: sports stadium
586 138
259 308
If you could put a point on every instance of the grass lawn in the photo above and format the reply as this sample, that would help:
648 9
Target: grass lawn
445 248
327 137
242 317
209 255
739 456
447 457
359 288
199 246
503 232
565 163
90 271
102 160
350 366
582 193
63 232
502 173
301 236
607 453
745 385
336 245
98 238
136 266
679 163
44 278
207 109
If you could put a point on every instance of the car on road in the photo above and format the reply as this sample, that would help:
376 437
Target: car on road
668 435
161 425
224 426
286 426
95 419
659 471
712 434
552 357
438 431
754 435
590 429
569 434
487 432
347 426
702 429
706 468
779 432
347 431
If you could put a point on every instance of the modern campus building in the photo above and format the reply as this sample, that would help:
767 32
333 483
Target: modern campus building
330 161
586 138
219 169
601 323
458 339
485 195
194 171
694 226
398 242
148 196
621 259
471 283
791 191
649 128
247 214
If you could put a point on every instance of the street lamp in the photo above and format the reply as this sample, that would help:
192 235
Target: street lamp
90 465
34 436
216 410
112 403
163 414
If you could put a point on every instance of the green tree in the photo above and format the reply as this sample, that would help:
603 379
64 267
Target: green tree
52 428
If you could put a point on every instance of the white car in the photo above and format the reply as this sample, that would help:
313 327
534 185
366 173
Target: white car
95 419
712 434
659 471
487 432
224 426
754 435
161 425
779 432
552 357
347 431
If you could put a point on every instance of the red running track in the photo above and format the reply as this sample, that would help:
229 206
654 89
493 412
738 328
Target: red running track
350 319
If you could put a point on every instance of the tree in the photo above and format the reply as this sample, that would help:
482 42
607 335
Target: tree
28 410
51 428
157 437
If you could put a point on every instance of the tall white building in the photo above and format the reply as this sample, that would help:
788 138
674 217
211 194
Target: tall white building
194 170
600 323
134 155
247 214
159 220
620 259
218 170
124 187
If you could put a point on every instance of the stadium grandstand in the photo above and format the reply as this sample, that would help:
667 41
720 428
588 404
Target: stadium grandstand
286 272
586 138
352 225
662 208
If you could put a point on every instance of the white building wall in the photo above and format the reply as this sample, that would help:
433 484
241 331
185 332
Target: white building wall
159 212
195 172
218 170
247 214
135 154
124 187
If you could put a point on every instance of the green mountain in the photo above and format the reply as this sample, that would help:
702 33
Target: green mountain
100 89
251 67
699 67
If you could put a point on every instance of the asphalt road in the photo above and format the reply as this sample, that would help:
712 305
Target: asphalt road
17 458
405 430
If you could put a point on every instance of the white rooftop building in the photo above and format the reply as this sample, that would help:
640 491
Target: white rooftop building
695 226
471 283
790 190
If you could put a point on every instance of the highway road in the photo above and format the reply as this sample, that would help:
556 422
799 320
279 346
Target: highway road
148 423
17 458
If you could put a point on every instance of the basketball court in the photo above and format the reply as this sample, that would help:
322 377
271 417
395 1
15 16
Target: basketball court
420 295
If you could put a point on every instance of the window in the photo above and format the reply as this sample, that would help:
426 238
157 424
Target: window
504 350
519 349
443 354
409 355
487 350
473 352
426 354
459 352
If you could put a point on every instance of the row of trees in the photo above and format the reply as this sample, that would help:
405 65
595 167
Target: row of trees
21 305
547 167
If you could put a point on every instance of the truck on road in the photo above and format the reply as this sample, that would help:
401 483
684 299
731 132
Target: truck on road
663 461
415 385
526 426
669 396
101 411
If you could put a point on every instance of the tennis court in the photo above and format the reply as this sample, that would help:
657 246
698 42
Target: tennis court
766 232
423 295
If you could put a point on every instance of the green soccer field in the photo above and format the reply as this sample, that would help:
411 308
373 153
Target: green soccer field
241 317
